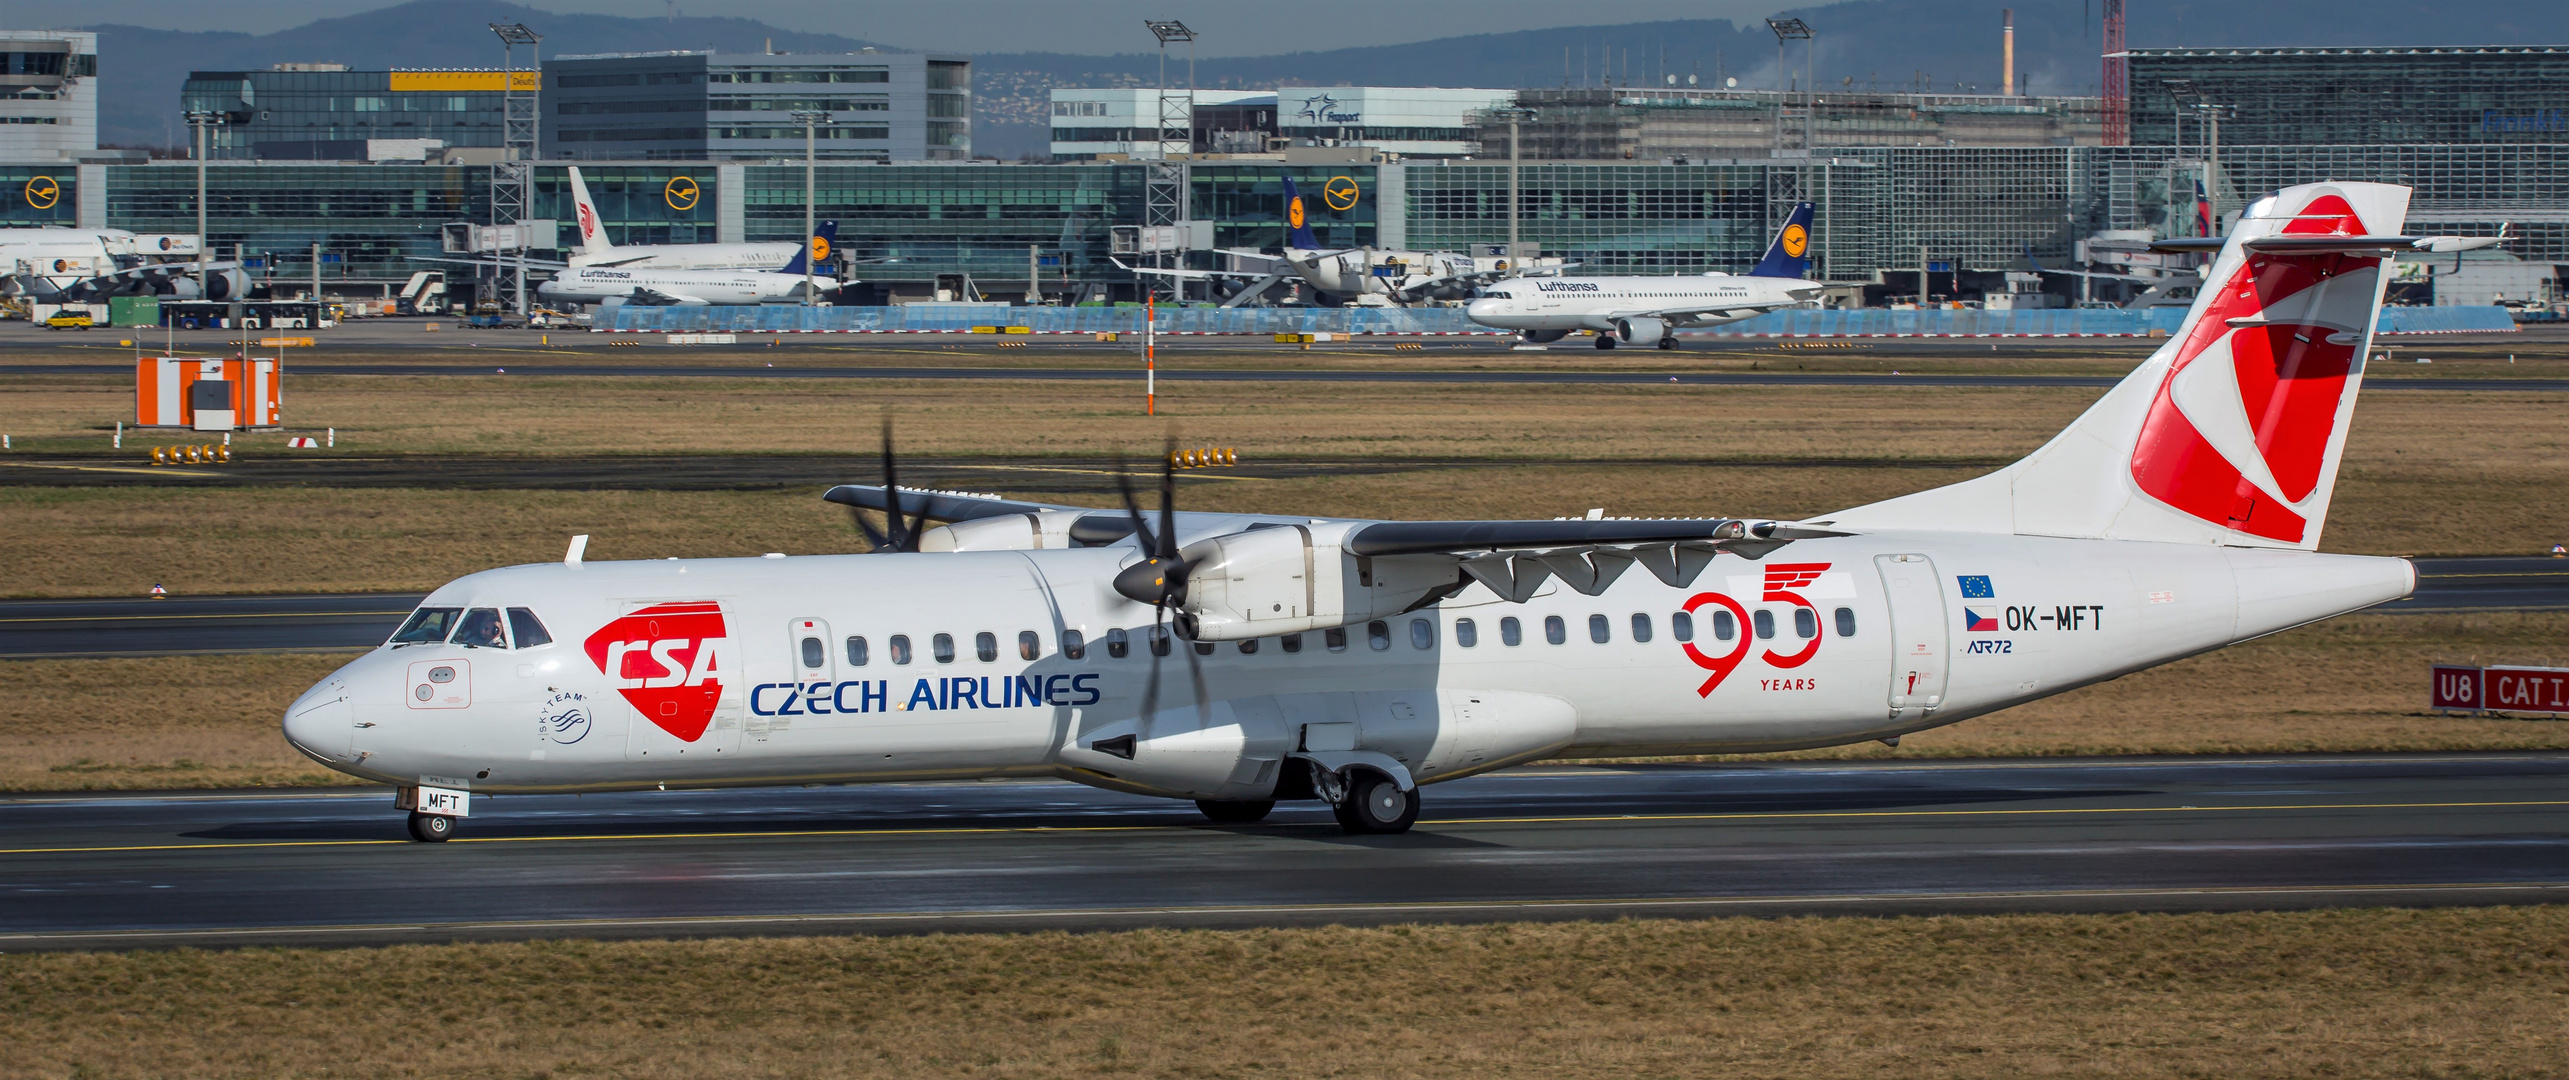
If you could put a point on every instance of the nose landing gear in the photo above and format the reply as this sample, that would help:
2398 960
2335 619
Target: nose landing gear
431 828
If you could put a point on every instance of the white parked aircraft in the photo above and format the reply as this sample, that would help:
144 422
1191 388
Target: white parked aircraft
597 250
1364 276
1648 310
692 288
79 266
1354 661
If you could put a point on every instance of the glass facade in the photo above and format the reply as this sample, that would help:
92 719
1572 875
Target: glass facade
1246 203
462 108
39 196
383 220
945 219
740 107
638 205
2303 97
1611 219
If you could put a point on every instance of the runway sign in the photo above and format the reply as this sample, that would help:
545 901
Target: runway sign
2499 689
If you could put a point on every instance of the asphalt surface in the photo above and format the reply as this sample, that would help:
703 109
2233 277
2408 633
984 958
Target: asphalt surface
1125 373
1535 843
34 629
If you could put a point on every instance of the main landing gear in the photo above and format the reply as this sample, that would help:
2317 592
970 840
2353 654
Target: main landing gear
431 828
1376 805
1606 340
1667 342
1235 813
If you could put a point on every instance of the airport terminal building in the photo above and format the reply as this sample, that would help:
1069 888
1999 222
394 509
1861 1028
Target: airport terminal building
1893 191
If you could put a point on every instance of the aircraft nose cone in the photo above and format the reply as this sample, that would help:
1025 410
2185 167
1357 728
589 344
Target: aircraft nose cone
1485 307
318 723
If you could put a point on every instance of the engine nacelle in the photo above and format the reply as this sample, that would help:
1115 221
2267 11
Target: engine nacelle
1542 337
1641 331
222 285
1291 578
1004 532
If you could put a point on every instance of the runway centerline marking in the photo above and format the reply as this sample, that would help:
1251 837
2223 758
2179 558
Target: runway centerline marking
987 830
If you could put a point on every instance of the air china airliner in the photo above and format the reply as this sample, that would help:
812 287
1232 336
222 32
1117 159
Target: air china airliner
1649 310
1241 659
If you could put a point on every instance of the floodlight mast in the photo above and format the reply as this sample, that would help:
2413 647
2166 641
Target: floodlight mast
513 178
811 120
201 119
1515 115
1790 29
1164 195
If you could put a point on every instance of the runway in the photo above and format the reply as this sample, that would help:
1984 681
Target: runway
1536 843
1173 374
32 629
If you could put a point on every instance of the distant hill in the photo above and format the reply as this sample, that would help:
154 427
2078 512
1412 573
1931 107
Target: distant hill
1888 44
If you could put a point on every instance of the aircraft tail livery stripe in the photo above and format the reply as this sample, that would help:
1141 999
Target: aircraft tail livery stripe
584 211
816 249
2233 431
1297 216
1790 255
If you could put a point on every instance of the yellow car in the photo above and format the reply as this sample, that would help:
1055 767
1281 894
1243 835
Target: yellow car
72 320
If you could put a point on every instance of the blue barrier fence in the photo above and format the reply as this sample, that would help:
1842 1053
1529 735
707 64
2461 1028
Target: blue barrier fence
1868 322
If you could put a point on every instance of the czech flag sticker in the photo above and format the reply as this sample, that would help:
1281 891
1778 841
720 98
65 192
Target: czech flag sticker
1978 623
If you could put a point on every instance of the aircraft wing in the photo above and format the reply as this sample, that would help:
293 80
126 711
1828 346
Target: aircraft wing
939 505
531 264
1689 312
643 294
1246 275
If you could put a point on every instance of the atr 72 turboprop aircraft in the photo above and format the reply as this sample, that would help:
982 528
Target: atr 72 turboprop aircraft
1649 310
696 288
1354 661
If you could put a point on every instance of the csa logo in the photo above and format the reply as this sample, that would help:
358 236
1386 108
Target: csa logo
668 660
564 719
1796 240
1784 582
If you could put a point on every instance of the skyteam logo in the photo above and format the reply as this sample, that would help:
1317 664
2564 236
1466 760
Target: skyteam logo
564 719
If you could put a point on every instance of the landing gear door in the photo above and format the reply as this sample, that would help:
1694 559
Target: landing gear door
1918 643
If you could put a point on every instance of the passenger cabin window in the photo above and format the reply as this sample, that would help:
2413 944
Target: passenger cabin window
529 631
1846 623
1466 635
1074 645
1030 645
1291 642
1335 638
1378 635
900 646
1511 632
1422 634
856 653
814 653
1724 627
427 626
1681 626
1600 629
1118 644
942 647
985 645
1640 626
1554 630
1806 623
481 629
1765 622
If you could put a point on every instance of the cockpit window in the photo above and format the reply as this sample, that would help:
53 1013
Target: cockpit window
426 626
481 629
529 632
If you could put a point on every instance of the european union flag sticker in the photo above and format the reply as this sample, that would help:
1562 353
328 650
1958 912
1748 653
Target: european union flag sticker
1976 587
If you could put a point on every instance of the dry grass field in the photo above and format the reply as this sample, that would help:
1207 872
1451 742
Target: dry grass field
2426 472
2441 993
2352 684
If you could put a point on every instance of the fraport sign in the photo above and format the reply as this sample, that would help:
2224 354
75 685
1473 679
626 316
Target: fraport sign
2493 122
2455 688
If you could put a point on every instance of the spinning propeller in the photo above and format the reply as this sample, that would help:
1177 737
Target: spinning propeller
1160 581
896 534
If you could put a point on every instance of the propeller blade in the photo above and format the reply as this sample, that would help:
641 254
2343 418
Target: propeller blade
897 538
873 536
1133 509
1167 548
1151 689
1203 697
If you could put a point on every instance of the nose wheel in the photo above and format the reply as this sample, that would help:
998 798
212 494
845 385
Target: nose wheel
431 828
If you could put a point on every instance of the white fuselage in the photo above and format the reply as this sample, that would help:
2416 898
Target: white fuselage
590 284
1823 642
692 256
1597 303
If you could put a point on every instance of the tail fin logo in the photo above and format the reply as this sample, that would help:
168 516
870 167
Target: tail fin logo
820 248
1796 240
2239 432
1293 212
588 222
